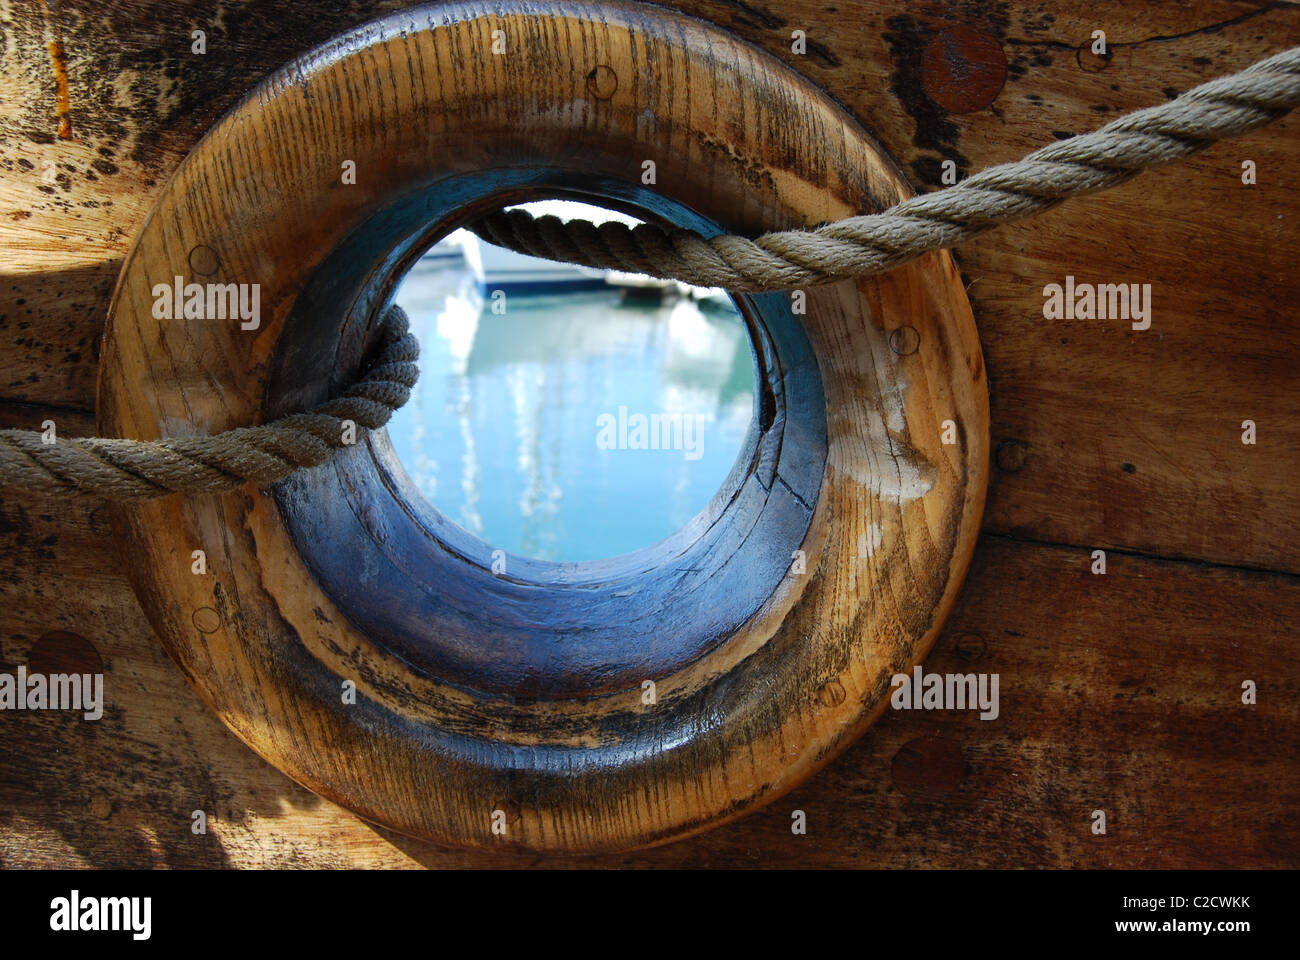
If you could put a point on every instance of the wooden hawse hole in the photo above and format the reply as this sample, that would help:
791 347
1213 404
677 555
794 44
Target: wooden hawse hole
523 694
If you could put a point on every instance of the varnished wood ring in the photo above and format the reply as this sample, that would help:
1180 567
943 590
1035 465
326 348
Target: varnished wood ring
502 735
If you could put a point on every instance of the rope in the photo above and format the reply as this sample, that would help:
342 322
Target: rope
867 245
141 470
846 249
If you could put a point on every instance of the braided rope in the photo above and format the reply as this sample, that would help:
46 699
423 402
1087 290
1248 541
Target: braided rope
140 470
866 245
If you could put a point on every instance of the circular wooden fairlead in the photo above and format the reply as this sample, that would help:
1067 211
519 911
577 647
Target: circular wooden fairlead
371 649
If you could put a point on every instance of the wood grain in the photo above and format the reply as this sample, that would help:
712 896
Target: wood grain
1119 692
522 696
1114 438
1084 408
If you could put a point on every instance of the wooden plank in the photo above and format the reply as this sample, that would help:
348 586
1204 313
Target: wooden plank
1120 693
1168 401
1121 438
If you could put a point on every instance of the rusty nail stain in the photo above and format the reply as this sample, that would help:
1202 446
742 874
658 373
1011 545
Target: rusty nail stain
1093 62
963 69
101 807
206 620
59 60
204 260
1011 455
831 694
928 768
61 652
904 341
602 81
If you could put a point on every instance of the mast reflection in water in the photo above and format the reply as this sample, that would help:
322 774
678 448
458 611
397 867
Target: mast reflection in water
501 431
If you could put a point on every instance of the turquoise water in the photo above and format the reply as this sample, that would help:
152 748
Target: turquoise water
503 432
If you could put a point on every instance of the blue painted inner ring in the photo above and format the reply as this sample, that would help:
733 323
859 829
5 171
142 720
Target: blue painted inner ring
423 587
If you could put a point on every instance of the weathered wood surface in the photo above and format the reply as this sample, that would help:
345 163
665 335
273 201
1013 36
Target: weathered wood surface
523 693
1168 401
1127 440
1119 693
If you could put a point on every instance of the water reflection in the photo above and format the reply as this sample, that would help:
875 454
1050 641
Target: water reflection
501 430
